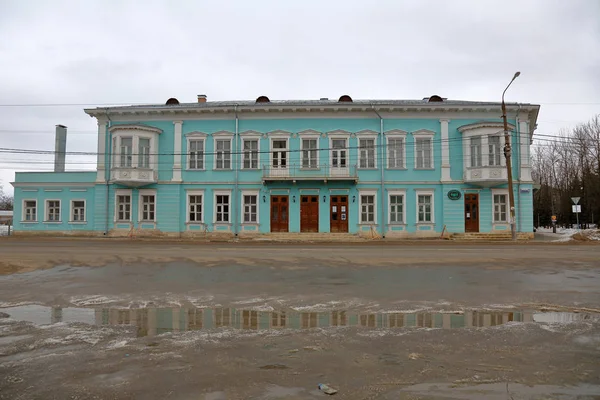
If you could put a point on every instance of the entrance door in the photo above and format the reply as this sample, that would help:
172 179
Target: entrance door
279 213
309 213
471 212
339 214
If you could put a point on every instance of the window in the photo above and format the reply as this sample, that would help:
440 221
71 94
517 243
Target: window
30 210
126 152
367 153
222 208
144 153
223 150
476 151
367 208
494 150
53 210
396 208
123 207
148 206
423 150
395 153
500 203
195 208
279 153
424 208
250 208
250 153
77 211
196 154
309 153
338 153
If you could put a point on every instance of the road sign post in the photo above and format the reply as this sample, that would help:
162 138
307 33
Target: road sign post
576 208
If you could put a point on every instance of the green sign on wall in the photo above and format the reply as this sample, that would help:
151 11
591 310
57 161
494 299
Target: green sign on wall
454 195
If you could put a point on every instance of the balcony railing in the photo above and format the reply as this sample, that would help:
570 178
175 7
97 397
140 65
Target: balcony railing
133 177
296 172
486 176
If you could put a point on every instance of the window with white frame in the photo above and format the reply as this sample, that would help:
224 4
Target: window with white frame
223 153
339 153
309 153
424 152
279 152
195 207
366 153
476 158
424 207
367 208
147 207
500 207
126 152
250 208
123 207
196 154
53 210
222 208
77 210
396 208
494 150
250 154
29 210
395 152
144 153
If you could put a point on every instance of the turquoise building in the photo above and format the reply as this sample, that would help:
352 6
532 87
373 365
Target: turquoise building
403 168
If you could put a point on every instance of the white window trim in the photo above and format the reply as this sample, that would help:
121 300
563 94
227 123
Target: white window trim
371 136
195 136
311 136
485 133
420 193
486 161
396 134
389 206
339 136
147 192
505 192
194 192
420 134
250 193
280 137
215 194
222 135
37 211
46 209
362 193
135 136
243 156
122 192
71 220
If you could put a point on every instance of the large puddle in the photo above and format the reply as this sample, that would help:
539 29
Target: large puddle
154 321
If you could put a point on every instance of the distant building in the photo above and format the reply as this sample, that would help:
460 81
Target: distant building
392 167
6 217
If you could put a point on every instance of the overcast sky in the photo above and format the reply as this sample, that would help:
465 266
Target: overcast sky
92 52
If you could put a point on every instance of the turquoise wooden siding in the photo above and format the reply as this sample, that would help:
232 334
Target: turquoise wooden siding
453 210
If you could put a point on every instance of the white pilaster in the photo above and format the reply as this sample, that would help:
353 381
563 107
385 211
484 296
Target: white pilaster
445 151
177 150
485 150
101 169
524 139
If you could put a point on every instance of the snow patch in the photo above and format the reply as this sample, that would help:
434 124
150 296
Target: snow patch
117 344
93 300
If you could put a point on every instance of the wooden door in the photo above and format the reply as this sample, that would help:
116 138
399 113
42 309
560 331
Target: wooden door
309 213
279 213
339 213
471 212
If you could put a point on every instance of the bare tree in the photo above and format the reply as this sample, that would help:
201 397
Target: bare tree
6 200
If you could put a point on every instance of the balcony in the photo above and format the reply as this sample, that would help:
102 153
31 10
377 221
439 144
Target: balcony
323 172
133 177
486 176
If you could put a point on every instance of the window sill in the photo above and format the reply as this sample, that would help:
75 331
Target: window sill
396 223
310 169
367 224
250 224
29 222
195 169
432 223
397 168
122 221
250 169
147 222
424 169
52 222
222 169
194 223
78 222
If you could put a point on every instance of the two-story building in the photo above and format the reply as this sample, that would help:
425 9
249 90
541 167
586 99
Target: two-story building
385 167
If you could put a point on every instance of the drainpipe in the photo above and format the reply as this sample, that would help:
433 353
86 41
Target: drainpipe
107 170
381 153
518 131
236 168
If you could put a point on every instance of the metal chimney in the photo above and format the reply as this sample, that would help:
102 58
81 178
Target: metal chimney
60 148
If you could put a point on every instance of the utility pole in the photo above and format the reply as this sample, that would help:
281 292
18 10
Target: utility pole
507 154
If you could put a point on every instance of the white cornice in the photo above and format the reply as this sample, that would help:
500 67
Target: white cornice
339 133
279 132
395 132
251 133
367 132
423 132
143 128
222 133
195 134
484 124
309 132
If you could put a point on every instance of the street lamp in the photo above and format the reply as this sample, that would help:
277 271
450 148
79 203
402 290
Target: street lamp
507 154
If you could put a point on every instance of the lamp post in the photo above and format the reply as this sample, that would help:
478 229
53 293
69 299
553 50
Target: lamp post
507 154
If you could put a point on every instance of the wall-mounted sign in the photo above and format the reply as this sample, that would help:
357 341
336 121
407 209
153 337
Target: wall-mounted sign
454 195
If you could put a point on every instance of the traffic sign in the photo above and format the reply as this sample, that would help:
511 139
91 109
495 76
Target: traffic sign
575 200
554 218
576 209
